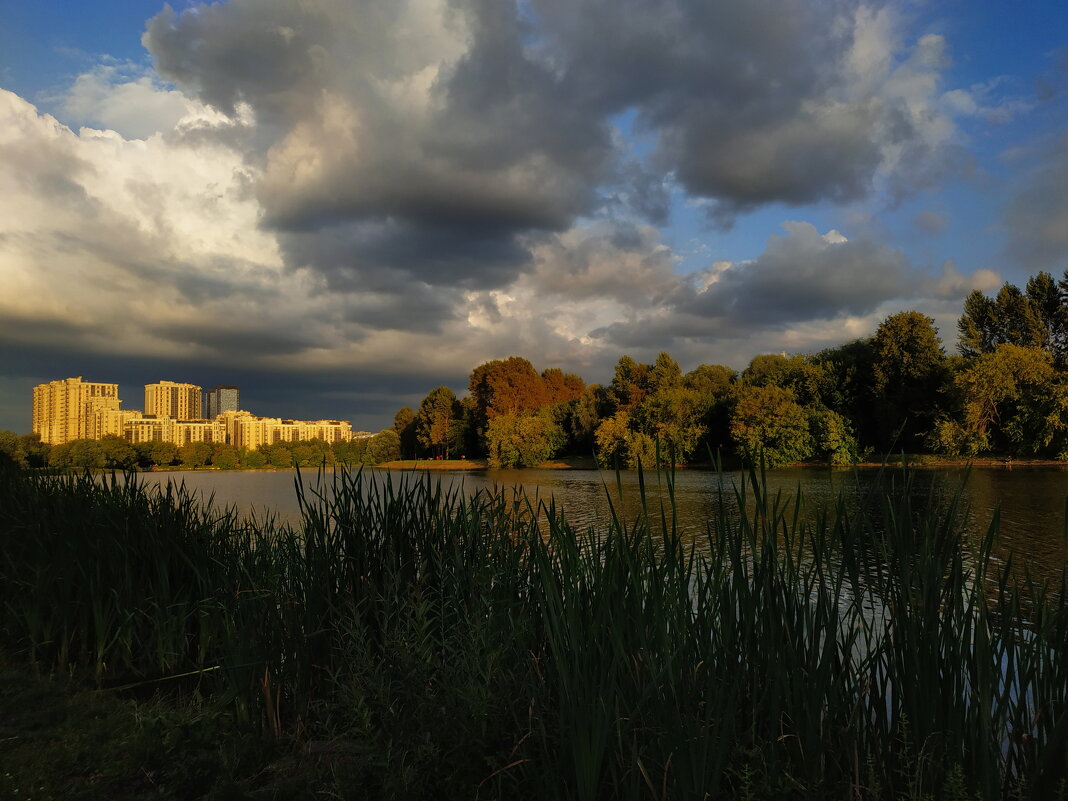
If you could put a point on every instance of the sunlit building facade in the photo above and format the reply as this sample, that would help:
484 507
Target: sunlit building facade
248 431
112 422
174 400
186 431
70 409
150 428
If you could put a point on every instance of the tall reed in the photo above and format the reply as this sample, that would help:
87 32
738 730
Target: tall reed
481 647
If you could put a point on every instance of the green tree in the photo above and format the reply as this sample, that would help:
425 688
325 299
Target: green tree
253 460
36 452
908 370
1018 321
162 453
350 452
665 373
225 456
800 374
277 454
619 445
194 454
711 380
118 453
515 440
847 377
584 419
84 453
1051 304
404 423
305 455
1014 401
11 450
832 437
674 416
383 447
977 327
1032 320
713 384
766 422
436 422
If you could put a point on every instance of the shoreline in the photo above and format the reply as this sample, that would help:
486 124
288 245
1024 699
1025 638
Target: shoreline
918 461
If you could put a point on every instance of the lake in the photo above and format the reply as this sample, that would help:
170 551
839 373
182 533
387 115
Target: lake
1032 498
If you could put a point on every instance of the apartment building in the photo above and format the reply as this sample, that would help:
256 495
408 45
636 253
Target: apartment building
113 421
70 409
150 428
186 431
246 430
174 400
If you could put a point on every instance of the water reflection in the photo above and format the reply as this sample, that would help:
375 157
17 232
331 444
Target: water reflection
1032 500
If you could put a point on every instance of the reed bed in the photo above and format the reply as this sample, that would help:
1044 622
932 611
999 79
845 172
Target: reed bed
443 646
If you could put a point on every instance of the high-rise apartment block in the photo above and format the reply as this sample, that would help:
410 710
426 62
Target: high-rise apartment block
170 399
71 409
74 409
224 398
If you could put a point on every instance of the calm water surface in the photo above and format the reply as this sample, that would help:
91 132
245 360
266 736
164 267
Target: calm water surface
1032 499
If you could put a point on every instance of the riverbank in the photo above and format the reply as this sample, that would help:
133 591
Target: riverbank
441 646
922 461
63 738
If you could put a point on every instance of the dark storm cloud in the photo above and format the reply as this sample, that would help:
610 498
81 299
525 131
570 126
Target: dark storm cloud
803 276
751 102
388 255
370 119
410 120
1037 213
800 277
247 336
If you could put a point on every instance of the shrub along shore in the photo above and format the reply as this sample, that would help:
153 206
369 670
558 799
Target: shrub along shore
407 642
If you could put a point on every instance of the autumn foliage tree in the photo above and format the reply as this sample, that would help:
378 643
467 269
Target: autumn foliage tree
511 401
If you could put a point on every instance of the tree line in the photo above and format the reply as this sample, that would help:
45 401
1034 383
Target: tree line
115 453
1004 394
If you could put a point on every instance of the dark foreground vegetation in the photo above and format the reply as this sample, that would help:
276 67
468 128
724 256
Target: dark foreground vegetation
403 642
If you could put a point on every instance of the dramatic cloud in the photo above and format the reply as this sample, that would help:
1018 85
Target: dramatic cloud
420 111
496 118
762 102
804 290
356 193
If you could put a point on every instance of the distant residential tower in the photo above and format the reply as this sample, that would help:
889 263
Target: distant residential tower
170 399
224 398
71 409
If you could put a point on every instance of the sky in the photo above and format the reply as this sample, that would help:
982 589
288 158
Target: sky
341 204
